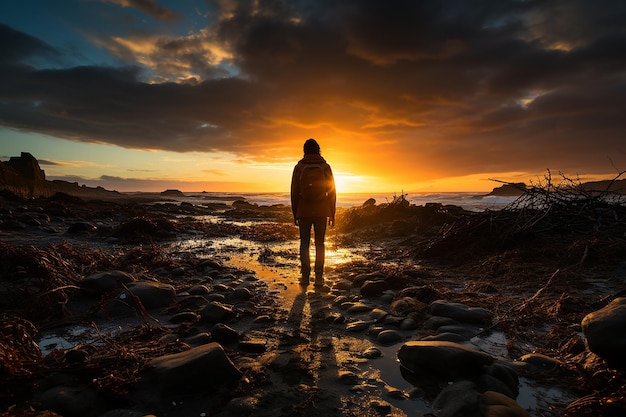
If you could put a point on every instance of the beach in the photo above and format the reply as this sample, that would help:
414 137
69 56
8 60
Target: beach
190 306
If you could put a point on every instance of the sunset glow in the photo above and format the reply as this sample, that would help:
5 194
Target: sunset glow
220 96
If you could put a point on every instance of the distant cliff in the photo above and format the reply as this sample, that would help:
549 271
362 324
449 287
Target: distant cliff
517 189
22 176
509 190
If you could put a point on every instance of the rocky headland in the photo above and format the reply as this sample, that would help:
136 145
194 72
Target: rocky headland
23 177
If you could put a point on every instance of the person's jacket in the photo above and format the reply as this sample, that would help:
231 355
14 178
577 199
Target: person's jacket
320 208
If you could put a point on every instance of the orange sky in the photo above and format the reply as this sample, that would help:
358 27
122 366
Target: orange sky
401 95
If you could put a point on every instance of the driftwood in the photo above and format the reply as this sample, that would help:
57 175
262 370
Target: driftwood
545 209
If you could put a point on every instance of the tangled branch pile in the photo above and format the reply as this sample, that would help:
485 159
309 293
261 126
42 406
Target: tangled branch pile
568 211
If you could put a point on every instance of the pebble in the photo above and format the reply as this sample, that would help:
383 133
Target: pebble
357 326
389 337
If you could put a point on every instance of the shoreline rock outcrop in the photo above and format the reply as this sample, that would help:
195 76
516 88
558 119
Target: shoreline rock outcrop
23 177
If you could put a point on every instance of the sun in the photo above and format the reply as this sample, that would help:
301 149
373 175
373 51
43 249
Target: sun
350 183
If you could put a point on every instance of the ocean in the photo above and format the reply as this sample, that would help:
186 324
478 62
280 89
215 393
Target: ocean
469 201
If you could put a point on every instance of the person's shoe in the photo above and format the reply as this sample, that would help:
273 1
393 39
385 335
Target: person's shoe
321 288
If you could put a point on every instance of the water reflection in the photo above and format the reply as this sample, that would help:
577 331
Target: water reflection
282 254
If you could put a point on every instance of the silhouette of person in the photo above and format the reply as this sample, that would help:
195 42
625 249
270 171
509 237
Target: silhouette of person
313 203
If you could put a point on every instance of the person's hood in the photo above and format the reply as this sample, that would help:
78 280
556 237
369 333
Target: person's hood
312 158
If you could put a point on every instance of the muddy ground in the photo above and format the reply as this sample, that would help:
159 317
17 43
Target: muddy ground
538 271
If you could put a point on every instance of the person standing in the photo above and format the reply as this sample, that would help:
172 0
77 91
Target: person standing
313 203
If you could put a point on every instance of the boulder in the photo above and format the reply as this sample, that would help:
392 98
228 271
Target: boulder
604 332
104 282
389 337
185 317
466 331
81 227
406 305
152 294
359 280
215 312
196 370
538 363
224 334
459 399
373 288
435 322
506 374
460 312
446 336
499 405
370 202
241 293
446 360
70 401
423 293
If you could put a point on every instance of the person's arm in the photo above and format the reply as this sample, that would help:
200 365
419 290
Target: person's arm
295 194
332 196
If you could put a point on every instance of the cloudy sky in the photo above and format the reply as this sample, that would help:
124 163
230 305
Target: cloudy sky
432 95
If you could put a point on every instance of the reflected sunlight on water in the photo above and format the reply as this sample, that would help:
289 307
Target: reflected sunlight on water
338 256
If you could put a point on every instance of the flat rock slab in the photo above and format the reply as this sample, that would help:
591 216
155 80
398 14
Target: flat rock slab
604 332
192 371
447 360
103 282
460 312
152 294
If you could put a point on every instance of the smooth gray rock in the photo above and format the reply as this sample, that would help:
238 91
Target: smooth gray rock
359 325
604 332
422 293
372 352
373 288
103 282
196 370
199 290
198 339
446 360
446 337
504 372
460 312
435 322
389 337
359 280
70 401
215 312
185 317
152 294
538 363
466 331
241 293
359 307
459 399
224 334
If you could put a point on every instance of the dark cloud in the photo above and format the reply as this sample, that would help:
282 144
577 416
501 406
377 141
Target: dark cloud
456 86
122 184
18 48
151 8
46 162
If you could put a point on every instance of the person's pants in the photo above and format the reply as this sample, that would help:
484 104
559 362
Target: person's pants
319 227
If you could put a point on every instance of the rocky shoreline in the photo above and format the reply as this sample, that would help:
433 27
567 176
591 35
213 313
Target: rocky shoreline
160 329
